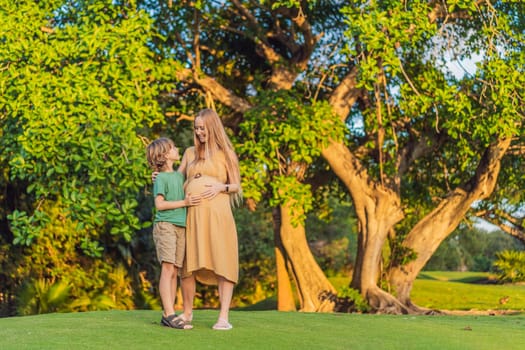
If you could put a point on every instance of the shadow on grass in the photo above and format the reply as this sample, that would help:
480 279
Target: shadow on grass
263 305
473 278
425 276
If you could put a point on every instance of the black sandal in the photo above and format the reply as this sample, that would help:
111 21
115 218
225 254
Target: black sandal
174 321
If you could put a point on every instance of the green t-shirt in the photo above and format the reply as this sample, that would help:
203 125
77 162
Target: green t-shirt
170 185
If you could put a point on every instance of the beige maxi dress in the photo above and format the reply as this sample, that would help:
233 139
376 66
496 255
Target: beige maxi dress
211 234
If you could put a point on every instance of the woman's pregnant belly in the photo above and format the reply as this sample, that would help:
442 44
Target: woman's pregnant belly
197 185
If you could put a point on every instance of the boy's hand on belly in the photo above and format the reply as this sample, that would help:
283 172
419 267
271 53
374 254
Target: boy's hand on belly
192 200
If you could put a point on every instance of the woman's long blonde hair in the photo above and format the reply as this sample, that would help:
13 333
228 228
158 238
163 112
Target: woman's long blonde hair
218 140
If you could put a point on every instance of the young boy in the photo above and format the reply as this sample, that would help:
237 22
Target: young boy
169 229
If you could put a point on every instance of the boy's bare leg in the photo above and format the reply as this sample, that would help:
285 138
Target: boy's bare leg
165 288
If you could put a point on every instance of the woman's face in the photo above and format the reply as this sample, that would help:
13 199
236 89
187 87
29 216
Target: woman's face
200 130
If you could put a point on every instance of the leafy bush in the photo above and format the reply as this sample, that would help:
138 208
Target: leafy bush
42 296
79 88
350 300
510 266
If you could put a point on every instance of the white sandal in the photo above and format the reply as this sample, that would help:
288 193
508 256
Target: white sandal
222 325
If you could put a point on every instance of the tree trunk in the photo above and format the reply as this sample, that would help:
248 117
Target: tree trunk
378 209
316 293
427 235
285 299
375 211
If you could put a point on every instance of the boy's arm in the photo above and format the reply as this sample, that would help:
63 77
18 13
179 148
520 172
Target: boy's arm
163 204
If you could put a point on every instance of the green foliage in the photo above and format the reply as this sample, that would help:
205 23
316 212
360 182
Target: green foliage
289 3
350 300
384 32
398 254
256 256
144 298
277 141
471 249
83 83
109 288
78 93
332 235
402 59
26 228
92 284
42 297
75 96
510 266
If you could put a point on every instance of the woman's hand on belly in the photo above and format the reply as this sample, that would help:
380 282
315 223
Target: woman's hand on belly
212 190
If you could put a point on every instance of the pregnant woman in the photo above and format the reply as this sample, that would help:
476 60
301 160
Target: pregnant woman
211 168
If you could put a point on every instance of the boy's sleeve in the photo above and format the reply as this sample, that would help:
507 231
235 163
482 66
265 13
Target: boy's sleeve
159 187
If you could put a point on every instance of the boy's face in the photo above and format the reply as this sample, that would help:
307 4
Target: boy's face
173 154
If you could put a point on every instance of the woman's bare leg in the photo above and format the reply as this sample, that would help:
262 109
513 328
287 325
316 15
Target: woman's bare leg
174 286
187 285
225 297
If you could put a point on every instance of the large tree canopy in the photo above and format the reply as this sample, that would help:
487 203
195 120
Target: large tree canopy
357 89
422 146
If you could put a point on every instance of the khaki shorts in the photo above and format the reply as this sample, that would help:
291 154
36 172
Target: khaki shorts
170 242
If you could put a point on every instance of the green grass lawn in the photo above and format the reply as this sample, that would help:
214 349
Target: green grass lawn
450 290
466 291
261 330
140 329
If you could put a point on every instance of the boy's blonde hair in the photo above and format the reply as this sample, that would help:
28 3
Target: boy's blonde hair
156 152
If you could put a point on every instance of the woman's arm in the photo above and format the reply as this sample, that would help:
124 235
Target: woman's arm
185 160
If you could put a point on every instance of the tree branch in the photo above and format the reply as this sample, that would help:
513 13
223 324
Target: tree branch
219 92
260 38
300 53
506 222
284 70
416 148
345 94
222 94
440 11
488 169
